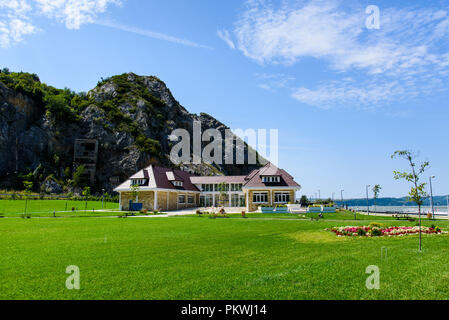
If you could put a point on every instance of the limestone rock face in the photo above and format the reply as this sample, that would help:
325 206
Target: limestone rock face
130 116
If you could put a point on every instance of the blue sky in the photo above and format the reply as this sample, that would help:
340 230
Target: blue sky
344 97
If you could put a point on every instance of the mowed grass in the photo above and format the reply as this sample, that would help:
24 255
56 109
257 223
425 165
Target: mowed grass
200 258
45 208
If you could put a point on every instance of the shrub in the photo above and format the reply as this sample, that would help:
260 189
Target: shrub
222 211
376 225
361 232
198 212
376 232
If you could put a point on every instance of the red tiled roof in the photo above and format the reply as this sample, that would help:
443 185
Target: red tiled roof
162 182
218 179
158 177
269 170
254 179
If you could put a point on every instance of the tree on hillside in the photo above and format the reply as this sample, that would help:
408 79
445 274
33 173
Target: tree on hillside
78 176
376 191
417 192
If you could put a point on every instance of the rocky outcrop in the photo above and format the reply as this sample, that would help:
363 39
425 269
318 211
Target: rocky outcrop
131 116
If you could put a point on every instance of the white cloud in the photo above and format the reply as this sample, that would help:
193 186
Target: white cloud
151 34
74 13
226 37
270 81
16 21
391 63
16 15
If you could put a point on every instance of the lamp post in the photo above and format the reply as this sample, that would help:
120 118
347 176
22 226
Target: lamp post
342 203
367 198
333 196
447 201
319 194
431 197
102 199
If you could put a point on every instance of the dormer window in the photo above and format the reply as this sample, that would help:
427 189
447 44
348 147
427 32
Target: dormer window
178 183
271 179
138 182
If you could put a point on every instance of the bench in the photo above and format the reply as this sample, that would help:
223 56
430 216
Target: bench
403 217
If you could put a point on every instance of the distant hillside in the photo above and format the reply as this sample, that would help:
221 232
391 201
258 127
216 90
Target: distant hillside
130 116
438 201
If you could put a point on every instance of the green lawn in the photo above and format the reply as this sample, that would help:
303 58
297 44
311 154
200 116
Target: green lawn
201 258
341 215
45 208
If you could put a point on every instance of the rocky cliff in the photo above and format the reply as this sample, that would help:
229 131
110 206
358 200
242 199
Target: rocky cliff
130 116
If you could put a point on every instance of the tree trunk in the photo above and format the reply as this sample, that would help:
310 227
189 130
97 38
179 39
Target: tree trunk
420 232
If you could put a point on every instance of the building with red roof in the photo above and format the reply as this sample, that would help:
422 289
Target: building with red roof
165 189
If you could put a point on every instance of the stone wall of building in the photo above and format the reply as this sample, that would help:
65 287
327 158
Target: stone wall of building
173 201
162 201
166 201
145 197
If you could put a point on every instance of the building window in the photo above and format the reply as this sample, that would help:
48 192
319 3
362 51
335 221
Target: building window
236 187
260 197
282 197
190 199
178 183
207 187
271 179
222 187
181 199
138 182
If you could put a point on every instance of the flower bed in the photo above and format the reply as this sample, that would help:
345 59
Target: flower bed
379 231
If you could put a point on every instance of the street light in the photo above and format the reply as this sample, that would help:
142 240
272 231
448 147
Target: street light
342 198
102 200
367 198
319 194
447 201
333 196
431 197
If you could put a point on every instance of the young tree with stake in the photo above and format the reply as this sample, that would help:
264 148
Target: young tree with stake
376 191
417 192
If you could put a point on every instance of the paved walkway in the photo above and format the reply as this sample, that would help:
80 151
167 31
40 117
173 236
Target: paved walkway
184 212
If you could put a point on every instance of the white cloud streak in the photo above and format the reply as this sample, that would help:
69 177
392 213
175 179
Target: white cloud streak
226 37
74 13
151 34
407 57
